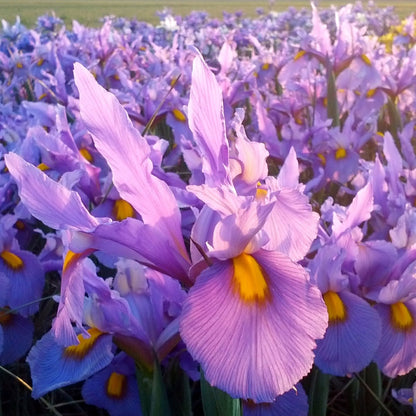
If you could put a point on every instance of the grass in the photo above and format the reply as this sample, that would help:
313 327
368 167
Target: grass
89 12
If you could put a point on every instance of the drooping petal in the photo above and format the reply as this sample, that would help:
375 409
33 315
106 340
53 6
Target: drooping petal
47 200
17 336
350 341
293 402
53 366
114 388
207 123
254 349
26 279
396 354
128 155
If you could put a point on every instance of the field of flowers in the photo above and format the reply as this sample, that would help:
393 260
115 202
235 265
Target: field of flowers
209 217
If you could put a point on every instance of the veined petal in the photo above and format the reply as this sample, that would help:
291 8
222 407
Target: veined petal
47 200
206 121
396 354
53 366
351 340
292 225
252 349
128 155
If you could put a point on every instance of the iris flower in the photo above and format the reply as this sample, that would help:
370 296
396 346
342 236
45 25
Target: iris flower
252 317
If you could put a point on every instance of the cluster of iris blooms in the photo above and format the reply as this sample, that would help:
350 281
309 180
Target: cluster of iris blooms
233 202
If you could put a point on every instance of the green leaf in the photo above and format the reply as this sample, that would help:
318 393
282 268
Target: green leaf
179 391
331 94
216 402
318 395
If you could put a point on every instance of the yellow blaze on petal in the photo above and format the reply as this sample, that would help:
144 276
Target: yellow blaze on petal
401 318
12 260
40 62
249 279
86 154
336 308
340 153
322 158
79 351
43 167
370 93
261 194
299 55
116 385
366 59
19 65
265 66
42 96
122 210
5 316
20 225
178 114
70 258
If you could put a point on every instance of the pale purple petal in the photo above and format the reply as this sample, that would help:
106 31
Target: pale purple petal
250 350
128 155
206 121
47 200
292 225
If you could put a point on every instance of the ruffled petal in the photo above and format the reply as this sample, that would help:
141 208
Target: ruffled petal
254 350
292 225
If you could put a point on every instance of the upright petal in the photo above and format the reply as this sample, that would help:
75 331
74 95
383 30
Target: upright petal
128 155
206 121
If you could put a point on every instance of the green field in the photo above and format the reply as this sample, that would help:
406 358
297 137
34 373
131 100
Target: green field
89 12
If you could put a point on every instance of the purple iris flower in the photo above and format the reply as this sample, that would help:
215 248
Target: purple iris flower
252 317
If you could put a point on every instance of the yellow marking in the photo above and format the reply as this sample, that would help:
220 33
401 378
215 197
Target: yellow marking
40 62
336 308
86 154
265 66
43 167
12 260
370 93
340 153
322 158
366 59
79 351
122 210
19 65
5 316
249 279
178 114
401 317
116 385
70 258
299 55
